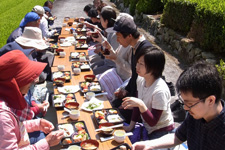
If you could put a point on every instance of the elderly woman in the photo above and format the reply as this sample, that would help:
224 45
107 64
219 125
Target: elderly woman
17 73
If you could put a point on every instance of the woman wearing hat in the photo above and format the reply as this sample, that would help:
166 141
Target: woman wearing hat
15 115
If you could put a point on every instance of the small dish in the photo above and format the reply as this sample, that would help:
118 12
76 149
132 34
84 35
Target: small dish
89 144
70 23
108 131
89 78
72 105
58 50
74 114
74 147
59 81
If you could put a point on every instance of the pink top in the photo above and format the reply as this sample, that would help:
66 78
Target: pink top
10 132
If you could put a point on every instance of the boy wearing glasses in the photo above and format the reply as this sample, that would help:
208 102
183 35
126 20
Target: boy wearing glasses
204 128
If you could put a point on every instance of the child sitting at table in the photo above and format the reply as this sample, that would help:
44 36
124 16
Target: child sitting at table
153 102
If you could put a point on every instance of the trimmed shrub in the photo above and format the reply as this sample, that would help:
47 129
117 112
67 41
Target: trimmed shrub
178 16
149 6
133 6
202 20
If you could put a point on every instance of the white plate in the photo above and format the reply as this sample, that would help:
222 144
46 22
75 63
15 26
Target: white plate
93 101
69 89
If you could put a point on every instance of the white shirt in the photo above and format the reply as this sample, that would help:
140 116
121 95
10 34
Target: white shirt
156 96
44 28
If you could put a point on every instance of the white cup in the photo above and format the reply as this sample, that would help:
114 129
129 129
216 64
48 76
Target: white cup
76 71
61 67
62 54
74 147
119 136
82 59
89 95
64 24
74 114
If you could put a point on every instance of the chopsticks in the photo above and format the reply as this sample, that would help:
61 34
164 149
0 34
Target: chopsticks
115 126
103 139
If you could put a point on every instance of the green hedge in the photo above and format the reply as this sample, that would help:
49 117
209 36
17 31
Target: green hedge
12 12
149 6
202 20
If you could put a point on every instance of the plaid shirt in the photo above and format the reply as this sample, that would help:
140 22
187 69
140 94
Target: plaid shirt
202 135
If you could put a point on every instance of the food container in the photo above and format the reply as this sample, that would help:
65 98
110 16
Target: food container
75 56
76 131
71 105
94 35
66 19
59 81
59 100
89 95
89 78
119 136
70 23
90 87
84 66
58 50
62 74
89 145
109 115
108 131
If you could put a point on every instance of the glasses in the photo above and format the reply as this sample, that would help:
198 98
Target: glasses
189 107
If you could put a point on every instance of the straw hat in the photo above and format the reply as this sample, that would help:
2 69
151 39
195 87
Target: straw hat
32 37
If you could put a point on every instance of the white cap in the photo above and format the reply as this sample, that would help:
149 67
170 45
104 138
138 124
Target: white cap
39 10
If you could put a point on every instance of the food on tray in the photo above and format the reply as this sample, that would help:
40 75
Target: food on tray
89 146
72 105
58 104
60 74
79 125
85 66
67 141
70 100
103 121
113 111
93 105
80 137
114 118
122 147
67 128
77 55
59 97
92 86
95 88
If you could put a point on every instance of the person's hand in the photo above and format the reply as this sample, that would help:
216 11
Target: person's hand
120 93
54 137
112 54
130 102
144 145
127 128
43 107
46 126
89 25
100 37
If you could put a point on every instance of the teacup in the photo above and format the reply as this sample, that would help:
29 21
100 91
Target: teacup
82 59
74 114
61 67
76 71
62 54
64 24
74 147
119 136
89 95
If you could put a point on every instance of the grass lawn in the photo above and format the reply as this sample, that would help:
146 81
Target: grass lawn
12 12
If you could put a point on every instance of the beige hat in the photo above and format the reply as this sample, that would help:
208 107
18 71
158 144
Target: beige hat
32 37
39 10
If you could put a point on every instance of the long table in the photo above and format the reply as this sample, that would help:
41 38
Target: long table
85 116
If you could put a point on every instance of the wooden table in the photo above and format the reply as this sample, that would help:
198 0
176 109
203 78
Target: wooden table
85 116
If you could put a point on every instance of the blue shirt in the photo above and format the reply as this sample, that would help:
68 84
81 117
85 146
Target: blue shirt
202 135
15 34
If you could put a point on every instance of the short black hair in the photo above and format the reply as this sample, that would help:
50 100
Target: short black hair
93 13
154 59
47 3
202 80
88 7
108 13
